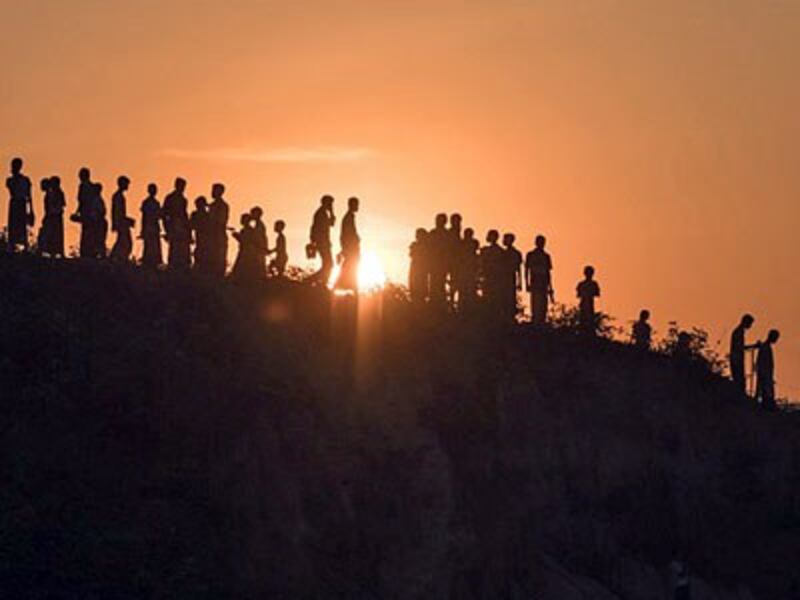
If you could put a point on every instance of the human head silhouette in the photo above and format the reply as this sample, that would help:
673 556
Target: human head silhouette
508 239
152 189
747 320
256 213
469 233
200 203
16 165
245 219
588 271
217 190
55 182
84 175
773 336
123 182
352 204
420 234
455 221
492 236
441 221
180 185
98 188
44 184
326 201
540 242
279 226
644 315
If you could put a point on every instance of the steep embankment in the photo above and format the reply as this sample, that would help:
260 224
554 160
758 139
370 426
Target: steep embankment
164 438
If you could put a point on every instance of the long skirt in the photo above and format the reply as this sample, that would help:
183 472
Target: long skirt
51 235
17 223
151 255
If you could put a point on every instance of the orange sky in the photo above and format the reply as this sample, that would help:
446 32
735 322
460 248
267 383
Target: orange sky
653 139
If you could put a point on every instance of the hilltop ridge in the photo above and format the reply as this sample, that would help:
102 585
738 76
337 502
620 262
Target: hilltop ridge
163 437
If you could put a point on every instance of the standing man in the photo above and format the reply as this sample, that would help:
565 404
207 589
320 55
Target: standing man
176 224
200 224
351 248
324 220
20 207
438 245
121 223
587 291
538 280
512 276
454 260
260 240
468 270
765 371
84 213
491 267
738 347
218 215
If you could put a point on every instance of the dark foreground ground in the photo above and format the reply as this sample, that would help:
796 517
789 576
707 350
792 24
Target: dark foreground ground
162 438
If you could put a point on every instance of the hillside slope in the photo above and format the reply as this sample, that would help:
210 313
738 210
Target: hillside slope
164 438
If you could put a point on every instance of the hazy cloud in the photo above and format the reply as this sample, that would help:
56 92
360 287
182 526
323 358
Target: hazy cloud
291 154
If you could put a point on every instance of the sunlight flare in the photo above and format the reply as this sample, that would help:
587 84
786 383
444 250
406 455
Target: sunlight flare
371 276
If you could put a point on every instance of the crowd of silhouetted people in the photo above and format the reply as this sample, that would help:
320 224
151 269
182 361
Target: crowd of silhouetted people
449 269
196 240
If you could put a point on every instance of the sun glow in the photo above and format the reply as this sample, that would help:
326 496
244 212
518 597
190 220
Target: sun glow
371 276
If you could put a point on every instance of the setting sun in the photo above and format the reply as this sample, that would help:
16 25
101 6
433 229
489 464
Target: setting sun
371 276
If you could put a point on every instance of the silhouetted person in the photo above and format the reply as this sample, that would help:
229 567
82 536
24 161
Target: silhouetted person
438 242
492 266
20 206
512 275
418 267
51 236
642 332
121 223
44 187
320 238
86 215
277 265
176 225
204 248
351 248
219 214
260 241
468 270
100 224
453 259
765 370
738 348
538 280
587 291
246 266
151 229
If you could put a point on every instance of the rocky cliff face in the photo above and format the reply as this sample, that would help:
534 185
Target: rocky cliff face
165 438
